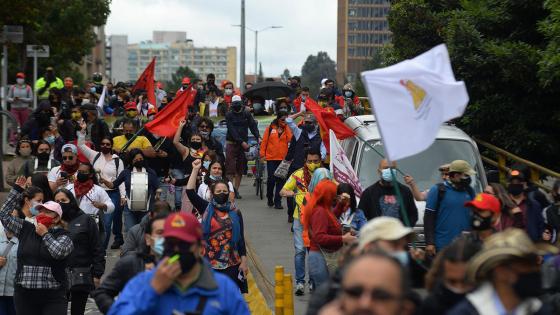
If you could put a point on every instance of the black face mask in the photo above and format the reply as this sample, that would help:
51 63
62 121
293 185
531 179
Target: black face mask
309 127
528 285
466 182
128 136
83 177
221 199
139 164
68 211
105 150
196 145
187 259
236 107
449 297
43 156
480 223
515 189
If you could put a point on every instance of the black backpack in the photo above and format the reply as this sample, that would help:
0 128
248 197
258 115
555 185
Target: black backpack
116 160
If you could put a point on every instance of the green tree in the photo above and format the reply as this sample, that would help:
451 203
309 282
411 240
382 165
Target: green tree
315 69
177 78
66 26
260 76
507 52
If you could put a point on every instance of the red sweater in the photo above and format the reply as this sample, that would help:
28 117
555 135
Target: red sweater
325 230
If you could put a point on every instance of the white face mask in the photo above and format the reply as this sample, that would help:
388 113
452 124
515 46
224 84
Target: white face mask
228 91
20 81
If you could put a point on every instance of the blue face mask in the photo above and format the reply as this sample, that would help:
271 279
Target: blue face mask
93 89
159 246
402 257
387 174
206 164
212 177
50 139
33 208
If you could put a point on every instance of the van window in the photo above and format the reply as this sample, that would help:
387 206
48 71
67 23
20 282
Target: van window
423 166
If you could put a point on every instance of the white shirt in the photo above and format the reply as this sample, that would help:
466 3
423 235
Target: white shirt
204 191
213 108
107 169
96 194
53 174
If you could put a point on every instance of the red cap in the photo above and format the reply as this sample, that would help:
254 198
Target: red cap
20 75
183 226
130 105
486 202
151 111
186 80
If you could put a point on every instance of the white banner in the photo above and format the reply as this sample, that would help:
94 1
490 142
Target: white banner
412 99
340 166
101 101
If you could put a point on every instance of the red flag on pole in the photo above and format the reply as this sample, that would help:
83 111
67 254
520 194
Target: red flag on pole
166 122
327 120
146 82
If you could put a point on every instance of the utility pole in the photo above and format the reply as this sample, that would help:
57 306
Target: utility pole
242 53
256 49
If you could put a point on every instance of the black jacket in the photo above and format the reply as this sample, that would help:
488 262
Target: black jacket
125 269
238 125
439 301
371 196
87 245
134 239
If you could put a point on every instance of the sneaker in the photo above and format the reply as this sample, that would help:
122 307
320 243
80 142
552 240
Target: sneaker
279 207
300 289
270 203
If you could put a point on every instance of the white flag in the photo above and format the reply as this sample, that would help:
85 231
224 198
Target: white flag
412 99
341 168
101 101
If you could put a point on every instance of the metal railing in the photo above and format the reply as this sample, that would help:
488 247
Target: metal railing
502 157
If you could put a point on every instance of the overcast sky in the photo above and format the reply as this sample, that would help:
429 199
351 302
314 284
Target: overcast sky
309 26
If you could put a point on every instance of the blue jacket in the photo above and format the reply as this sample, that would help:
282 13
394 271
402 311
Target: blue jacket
138 296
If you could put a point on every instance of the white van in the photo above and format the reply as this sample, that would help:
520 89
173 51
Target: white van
451 144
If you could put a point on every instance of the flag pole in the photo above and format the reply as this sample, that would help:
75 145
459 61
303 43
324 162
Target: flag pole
129 142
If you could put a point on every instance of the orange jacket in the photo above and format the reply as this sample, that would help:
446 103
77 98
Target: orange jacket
274 147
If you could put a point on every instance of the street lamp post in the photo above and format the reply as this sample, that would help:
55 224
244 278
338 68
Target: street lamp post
257 41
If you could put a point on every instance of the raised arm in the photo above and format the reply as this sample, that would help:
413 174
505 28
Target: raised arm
59 247
10 222
183 150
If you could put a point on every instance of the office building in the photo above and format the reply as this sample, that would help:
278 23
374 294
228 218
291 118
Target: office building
362 30
117 64
95 61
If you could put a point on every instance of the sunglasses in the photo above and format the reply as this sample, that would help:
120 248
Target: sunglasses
378 295
105 144
67 158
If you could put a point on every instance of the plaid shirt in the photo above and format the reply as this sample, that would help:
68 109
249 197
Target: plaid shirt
35 277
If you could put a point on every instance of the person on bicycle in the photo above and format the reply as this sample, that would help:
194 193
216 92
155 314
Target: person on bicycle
274 148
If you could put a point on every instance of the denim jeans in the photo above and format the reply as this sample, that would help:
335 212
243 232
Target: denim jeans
317 268
299 257
113 219
131 218
271 181
178 174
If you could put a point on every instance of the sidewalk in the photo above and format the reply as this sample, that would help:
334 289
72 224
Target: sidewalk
268 233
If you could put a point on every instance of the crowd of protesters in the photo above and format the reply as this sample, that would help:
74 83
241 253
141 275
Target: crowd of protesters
82 172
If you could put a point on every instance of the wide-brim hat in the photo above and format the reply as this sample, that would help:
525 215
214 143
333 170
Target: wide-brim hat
504 247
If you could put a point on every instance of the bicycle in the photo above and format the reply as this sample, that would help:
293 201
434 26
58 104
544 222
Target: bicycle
259 170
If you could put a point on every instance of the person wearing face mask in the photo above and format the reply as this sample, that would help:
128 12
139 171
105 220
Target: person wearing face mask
380 199
182 281
486 211
20 98
23 154
215 173
212 105
239 122
274 148
131 265
223 230
130 114
24 201
92 199
551 215
350 102
144 107
301 100
446 216
39 120
140 142
134 241
507 275
205 127
446 281
96 128
86 264
136 164
350 216
41 163
526 201
47 82
211 84
41 281
67 95
61 175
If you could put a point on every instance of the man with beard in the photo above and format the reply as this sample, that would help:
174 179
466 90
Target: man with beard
41 163
47 82
373 284
182 282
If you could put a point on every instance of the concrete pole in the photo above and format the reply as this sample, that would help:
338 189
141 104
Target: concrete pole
4 131
34 81
256 49
242 53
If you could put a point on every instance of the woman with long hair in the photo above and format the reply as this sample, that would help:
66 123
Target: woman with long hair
41 281
215 173
86 264
223 230
351 218
325 232
510 215
41 181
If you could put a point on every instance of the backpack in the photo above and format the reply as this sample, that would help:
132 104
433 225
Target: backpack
441 193
116 160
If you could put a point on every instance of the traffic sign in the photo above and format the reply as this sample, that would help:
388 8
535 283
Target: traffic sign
39 51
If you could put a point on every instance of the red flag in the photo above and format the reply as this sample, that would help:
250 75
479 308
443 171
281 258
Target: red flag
327 120
166 122
146 82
